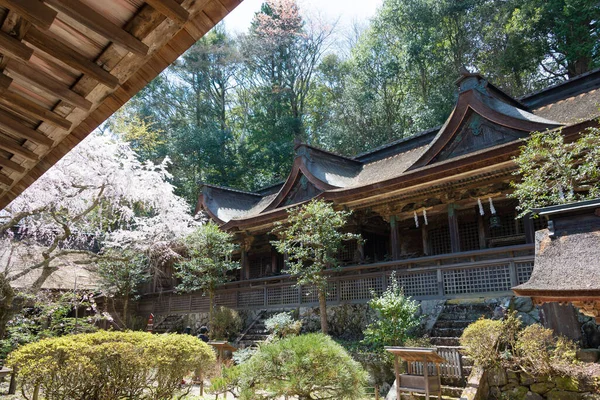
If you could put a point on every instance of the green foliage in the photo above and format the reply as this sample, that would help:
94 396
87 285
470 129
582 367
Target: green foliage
397 315
311 238
283 325
308 366
109 365
49 316
208 260
554 172
226 324
533 349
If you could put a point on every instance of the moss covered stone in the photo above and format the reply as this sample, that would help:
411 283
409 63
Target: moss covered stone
556 394
542 387
566 383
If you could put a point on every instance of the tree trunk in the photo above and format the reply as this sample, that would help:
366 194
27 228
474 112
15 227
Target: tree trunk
7 295
211 312
323 310
125 310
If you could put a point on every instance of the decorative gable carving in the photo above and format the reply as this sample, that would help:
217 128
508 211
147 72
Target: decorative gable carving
302 190
475 134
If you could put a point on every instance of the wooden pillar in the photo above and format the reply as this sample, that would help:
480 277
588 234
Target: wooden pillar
425 238
394 238
453 228
274 266
481 231
245 265
529 228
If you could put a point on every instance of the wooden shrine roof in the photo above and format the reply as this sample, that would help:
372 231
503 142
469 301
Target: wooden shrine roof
481 135
417 354
68 65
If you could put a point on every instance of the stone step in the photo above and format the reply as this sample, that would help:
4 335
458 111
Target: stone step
444 341
462 316
406 396
453 324
446 332
255 337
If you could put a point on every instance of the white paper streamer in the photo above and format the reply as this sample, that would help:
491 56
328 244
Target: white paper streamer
425 217
481 210
492 209
416 219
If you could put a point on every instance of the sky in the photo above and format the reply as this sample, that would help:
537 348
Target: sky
347 11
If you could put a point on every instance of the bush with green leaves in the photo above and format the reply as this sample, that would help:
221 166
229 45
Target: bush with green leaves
226 324
310 366
282 325
397 316
109 365
533 349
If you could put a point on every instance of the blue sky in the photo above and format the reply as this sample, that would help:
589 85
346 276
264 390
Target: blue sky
346 10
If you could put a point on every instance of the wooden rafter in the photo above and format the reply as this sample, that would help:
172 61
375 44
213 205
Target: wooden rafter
170 9
69 56
48 84
5 81
100 24
15 127
14 48
5 180
6 163
15 149
29 108
34 11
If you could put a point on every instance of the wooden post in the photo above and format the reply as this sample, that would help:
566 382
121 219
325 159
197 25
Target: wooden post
437 366
453 227
274 266
394 238
426 374
245 265
529 228
481 231
425 237
12 387
397 371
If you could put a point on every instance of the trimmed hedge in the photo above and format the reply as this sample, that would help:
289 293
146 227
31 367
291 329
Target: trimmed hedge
109 365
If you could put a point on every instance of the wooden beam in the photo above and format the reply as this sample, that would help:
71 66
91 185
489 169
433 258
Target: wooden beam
12 125
23 105
5 81
5 180
48 84
19 150
99 24
69 56
6 163
33 11
171 9
14 48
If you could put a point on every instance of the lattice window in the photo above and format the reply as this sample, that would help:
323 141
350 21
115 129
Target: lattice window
421 284
283 295
477 280
524 271
254 298
199 303
360 289
180 303
439 240
226 300
468 233
310 294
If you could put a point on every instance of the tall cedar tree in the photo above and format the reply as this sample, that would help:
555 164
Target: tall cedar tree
311 239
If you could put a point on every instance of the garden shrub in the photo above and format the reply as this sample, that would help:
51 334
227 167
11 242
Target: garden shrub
533 349
226 324
109 365
480 341
282 325
310 366
397 316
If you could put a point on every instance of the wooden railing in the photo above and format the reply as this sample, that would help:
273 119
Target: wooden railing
435 277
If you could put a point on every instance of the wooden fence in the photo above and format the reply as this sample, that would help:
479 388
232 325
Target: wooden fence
490 271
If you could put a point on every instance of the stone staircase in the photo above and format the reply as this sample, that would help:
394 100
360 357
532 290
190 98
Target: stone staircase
445 334
255 333
171 323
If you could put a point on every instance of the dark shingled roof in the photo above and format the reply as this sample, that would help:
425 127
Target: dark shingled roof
562 104
569 262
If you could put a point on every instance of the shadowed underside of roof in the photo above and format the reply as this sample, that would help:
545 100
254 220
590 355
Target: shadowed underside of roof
66 66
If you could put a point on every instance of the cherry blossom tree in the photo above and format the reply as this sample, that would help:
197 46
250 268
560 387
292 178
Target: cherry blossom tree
98 197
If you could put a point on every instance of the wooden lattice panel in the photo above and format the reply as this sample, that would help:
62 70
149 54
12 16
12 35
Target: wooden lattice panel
477 280
419 284
361 289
